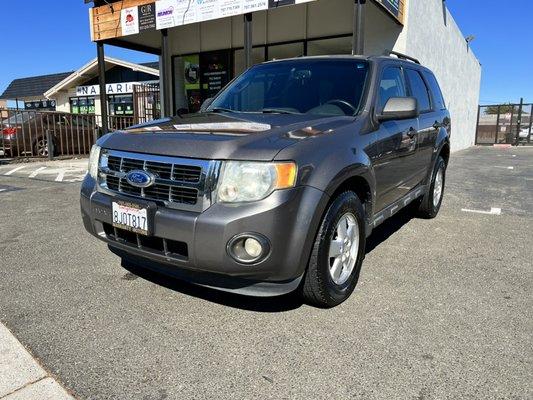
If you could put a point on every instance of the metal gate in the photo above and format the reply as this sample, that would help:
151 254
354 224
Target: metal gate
505 124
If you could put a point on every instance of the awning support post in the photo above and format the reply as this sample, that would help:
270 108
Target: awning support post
166 77
101 83
248 40
358 41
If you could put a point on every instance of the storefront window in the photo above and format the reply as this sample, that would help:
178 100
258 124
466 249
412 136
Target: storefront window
82 105
340 45
283 51
120 104
258 56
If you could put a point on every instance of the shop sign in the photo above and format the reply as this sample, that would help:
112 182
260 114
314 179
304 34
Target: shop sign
171 13
40 104
130 21
111 88
392 5
146 17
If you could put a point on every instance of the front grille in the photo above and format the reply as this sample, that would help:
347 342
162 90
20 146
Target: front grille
178 181
167 247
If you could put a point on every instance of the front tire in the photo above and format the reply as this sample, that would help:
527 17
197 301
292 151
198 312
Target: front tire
337 254
431 202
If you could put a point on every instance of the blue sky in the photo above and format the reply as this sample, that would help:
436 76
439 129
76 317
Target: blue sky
503 42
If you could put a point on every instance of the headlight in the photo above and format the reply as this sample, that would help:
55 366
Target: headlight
94 159
242 181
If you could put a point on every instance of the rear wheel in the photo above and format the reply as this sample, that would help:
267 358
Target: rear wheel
338 253
432 200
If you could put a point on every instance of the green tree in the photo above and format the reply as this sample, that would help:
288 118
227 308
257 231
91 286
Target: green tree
504 109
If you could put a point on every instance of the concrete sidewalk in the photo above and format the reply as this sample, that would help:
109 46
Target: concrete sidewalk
21 377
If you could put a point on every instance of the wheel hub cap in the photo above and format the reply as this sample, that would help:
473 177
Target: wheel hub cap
437 188
343 249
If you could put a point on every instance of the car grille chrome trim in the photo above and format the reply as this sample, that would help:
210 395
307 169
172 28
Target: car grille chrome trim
180 183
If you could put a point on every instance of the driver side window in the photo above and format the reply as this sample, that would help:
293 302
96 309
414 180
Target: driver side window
392 84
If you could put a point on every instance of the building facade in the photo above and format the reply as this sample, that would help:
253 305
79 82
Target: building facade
204 45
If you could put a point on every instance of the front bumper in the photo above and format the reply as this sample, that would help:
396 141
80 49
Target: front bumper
288 219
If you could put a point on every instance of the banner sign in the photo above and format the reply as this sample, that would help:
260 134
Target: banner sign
111 88
116 20
164 14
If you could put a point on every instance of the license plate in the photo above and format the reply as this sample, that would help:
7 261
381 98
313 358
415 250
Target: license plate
131 217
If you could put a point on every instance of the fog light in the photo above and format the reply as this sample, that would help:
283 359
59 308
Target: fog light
253 247
248 248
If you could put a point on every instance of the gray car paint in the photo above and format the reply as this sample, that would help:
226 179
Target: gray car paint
329 151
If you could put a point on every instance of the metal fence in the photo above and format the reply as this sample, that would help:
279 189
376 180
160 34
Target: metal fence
505 124
26 134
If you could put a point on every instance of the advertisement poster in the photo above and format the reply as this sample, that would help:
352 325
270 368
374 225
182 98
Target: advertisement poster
130 21
166 14
215 72
191 68
146 17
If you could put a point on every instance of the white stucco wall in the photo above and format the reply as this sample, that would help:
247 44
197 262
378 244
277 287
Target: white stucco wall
442 47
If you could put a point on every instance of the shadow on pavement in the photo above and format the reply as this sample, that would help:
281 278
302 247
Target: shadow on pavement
283 303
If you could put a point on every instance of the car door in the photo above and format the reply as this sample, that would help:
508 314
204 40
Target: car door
395 165
429 121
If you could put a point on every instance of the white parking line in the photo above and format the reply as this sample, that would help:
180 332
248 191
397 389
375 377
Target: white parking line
36 172
493 211
60 176
14 170
3 190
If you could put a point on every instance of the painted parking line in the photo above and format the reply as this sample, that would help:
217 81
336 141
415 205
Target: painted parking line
36 172
60 176
493 211
14 170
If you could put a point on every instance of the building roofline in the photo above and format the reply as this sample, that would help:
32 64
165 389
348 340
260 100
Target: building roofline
92 64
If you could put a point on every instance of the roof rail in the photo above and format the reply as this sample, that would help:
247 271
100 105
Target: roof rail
401 56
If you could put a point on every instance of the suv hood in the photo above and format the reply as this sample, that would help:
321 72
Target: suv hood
223 136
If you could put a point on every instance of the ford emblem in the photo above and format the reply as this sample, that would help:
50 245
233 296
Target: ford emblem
140 179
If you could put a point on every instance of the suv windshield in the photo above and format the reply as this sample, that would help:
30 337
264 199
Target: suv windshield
323 87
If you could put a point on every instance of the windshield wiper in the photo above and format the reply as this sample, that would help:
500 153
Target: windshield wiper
222 109
278 111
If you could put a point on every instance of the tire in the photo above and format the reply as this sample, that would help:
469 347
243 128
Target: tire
429 205
320 287
41 148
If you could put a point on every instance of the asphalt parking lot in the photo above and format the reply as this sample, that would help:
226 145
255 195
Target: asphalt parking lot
444 308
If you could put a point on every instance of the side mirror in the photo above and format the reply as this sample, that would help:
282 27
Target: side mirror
206 104
182 111
399 108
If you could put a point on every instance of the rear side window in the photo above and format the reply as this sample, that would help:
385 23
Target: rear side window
438 99
391 85
419 89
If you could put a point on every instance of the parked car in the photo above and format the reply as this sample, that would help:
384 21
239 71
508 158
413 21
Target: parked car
524 134
276 186
24 133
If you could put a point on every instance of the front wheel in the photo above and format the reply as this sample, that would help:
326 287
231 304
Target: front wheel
432 200
338 253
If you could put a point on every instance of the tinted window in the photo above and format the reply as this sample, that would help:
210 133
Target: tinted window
419 89
324 87
438 99
391 85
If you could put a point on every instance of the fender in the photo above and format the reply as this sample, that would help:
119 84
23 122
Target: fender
443 139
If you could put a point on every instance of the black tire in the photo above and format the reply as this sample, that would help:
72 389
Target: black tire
38 149
318 287
427 208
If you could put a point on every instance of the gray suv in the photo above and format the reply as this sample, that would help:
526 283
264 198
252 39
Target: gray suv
277 183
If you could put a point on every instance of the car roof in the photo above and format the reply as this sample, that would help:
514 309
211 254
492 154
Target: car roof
375 58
